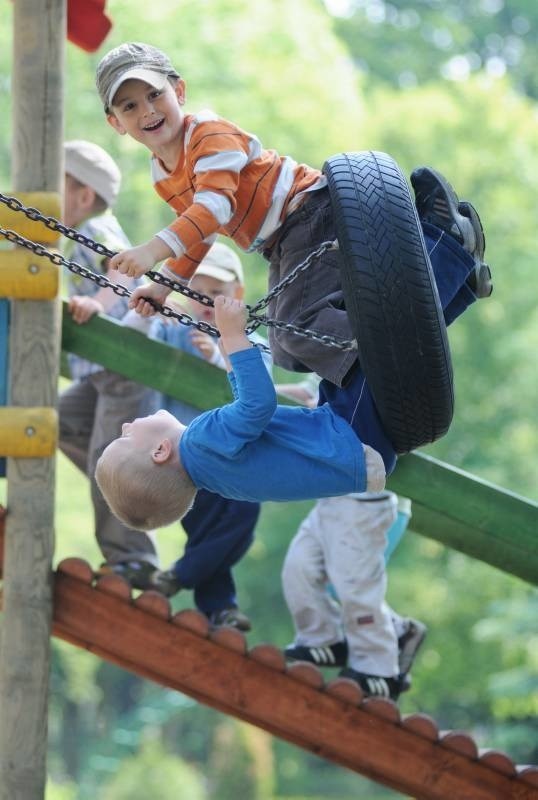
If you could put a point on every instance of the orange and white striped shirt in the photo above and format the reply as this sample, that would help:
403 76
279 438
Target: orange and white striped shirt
226 183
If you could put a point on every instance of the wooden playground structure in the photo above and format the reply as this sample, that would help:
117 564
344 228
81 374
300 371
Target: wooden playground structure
333 720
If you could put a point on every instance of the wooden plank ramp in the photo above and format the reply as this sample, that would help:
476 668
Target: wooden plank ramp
333 720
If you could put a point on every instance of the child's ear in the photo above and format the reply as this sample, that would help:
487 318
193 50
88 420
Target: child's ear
116 124
180 91
162 452
239 291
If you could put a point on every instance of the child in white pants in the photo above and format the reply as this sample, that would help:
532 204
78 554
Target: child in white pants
342 542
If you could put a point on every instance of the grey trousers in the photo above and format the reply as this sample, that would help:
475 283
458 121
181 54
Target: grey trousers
92 411
315 299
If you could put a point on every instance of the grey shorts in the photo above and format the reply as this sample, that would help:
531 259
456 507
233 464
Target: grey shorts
314 300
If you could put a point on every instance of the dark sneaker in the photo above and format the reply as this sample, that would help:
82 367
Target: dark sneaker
408 645
479 279
136 573
406 681
165 581
438 204
229 618
142 575
331 655
373 685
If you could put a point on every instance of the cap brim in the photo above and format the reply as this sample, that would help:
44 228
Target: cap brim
220 274
155 79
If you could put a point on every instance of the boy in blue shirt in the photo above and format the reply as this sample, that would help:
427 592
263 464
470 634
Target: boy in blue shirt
250 449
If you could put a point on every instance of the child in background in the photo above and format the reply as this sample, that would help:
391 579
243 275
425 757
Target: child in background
219 530
334 582
96 404
343 542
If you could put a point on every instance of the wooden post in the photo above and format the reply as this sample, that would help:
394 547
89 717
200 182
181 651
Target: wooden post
37 89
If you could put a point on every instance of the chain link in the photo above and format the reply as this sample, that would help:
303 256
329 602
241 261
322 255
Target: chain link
254 319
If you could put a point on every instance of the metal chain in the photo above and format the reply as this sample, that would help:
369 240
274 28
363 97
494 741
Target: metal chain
254 319
103 281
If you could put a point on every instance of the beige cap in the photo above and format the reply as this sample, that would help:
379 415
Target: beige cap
221 263
132 60
92 166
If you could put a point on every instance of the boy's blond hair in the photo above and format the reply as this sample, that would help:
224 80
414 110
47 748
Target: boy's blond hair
142 494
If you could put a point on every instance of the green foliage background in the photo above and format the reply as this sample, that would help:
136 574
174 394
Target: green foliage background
368 75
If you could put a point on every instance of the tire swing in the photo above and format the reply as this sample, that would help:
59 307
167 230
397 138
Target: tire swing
391 298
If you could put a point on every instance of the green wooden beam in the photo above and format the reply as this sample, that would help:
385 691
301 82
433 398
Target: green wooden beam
156 364
470 515
450 506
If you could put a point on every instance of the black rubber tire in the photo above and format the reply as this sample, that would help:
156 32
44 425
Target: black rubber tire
391 298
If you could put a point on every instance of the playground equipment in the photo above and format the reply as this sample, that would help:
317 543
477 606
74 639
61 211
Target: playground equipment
334 721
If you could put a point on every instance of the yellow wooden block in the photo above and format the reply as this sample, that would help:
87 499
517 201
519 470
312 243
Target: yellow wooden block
28 432
49 204
25 276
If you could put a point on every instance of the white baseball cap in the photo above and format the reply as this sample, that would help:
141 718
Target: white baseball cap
94 167
221 263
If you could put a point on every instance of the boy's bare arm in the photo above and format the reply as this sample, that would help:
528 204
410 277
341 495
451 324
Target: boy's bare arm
231 319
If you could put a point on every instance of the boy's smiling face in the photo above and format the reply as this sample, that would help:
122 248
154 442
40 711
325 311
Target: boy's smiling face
151 116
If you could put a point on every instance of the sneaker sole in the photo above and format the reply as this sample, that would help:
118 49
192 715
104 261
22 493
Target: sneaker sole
409 651
480 282
447 198
469 211
319 656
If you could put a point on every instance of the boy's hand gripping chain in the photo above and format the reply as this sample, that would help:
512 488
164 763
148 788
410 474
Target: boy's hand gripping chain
185 319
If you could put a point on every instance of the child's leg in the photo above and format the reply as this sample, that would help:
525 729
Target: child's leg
356 568
398 527
457 230
316 617
355 404
314 300
451 266
76 407
219 533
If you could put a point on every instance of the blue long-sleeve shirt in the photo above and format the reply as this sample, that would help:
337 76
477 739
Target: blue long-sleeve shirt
253 449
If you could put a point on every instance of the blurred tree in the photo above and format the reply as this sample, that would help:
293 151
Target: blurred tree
241 763
514 687
151 772
406 43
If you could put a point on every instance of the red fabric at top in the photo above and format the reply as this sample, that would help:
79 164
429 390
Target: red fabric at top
87 24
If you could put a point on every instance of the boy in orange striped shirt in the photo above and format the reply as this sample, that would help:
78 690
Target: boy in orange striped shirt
219 179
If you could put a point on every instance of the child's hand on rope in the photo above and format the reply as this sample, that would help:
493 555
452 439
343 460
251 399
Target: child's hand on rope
231 319
136 261
155 291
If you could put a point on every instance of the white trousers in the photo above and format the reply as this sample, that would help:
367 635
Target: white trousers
342 542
